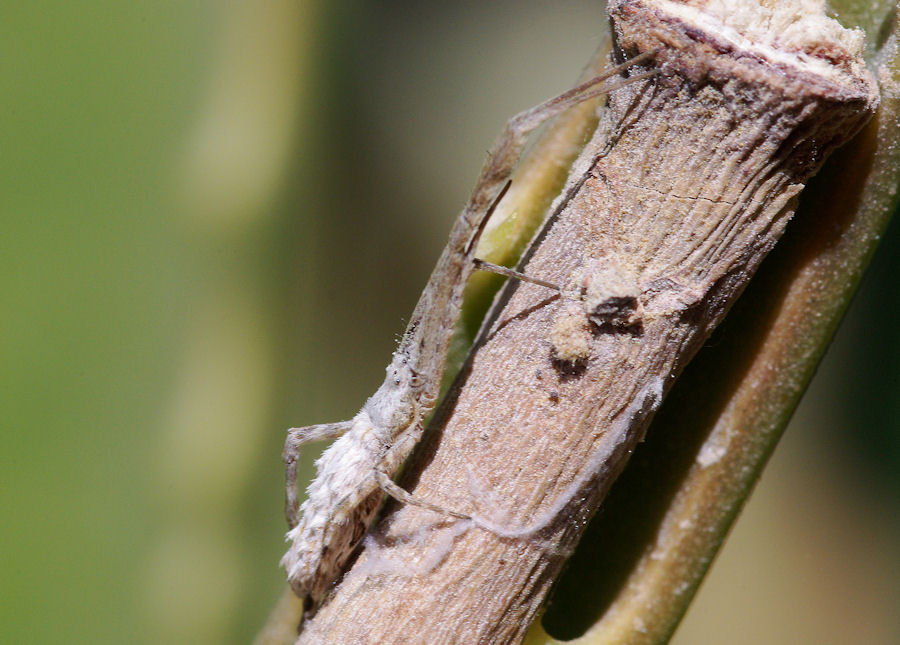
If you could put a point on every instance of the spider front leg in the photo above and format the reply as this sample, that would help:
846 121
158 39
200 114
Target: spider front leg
296 437
507 149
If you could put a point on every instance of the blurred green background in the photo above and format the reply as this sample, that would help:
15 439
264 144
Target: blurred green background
216 216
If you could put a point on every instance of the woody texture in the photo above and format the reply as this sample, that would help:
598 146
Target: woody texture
690 180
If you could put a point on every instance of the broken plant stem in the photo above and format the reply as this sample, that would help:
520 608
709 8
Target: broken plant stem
676 216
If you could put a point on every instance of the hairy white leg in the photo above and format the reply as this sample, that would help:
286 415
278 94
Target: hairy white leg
490 267
296 437
391 488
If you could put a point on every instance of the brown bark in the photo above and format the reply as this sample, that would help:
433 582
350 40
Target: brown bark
700 179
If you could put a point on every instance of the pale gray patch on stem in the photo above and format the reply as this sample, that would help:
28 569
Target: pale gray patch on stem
381 561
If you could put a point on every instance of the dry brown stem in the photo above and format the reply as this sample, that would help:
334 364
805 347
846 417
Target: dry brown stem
701 178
